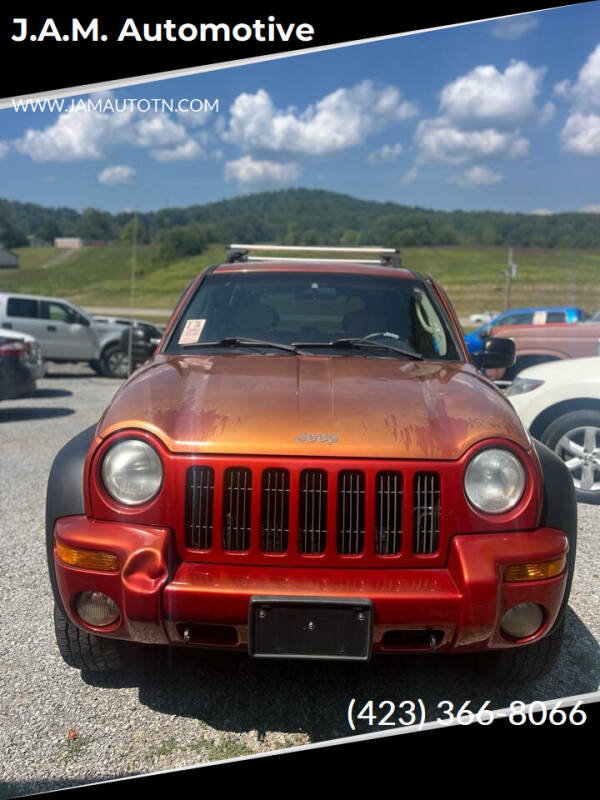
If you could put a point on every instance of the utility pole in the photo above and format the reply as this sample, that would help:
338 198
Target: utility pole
510 272
132 291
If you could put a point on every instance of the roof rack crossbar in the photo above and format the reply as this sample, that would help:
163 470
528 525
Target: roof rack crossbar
284 259
387 255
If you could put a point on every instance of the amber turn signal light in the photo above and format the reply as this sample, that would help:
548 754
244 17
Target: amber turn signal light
88 559
534 572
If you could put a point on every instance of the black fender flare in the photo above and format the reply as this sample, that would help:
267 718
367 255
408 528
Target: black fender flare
64 494
559 507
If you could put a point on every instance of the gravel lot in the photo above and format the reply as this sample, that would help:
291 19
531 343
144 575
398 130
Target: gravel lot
181 708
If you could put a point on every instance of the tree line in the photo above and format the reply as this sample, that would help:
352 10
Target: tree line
298 216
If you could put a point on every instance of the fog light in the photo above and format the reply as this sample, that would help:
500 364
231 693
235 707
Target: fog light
522 620
96 609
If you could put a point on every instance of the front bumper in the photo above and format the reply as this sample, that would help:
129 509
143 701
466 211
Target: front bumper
164 600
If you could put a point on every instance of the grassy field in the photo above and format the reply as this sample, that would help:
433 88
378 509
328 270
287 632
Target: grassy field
100 276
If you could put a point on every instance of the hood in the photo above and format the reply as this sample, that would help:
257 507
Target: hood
312 406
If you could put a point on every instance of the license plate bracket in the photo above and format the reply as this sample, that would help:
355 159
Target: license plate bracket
310 628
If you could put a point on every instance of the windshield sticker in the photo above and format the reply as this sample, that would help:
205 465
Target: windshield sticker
192 331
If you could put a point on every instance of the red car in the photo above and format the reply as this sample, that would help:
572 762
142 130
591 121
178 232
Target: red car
16 371
309 466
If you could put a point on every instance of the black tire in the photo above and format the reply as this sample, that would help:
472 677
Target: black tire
96 366
574 424
526 663
114 362
85 650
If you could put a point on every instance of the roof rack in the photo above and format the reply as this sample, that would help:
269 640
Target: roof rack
387 256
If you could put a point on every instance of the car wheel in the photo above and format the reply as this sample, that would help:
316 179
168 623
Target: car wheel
84 650
526 663
114 362
96 366
575 437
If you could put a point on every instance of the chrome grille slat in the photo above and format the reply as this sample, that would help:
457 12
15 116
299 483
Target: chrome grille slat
388 513
200 485
274 516
312 512
237 493
351 512
426 513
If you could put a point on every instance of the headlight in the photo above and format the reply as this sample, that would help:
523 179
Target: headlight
494 480
522 385
132 472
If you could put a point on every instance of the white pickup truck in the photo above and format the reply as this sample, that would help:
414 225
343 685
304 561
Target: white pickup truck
64 332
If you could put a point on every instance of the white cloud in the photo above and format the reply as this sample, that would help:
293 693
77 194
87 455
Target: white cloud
182 152
342 119
585 92
76 136
482 176
411 175
89 136
581 131
385 154
514 28
119 175
439 140
247 170
476 176
547 113
562 88
593 208
487 98
542 212
581 134
159 131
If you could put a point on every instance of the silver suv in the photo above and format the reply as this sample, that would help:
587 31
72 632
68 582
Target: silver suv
64 332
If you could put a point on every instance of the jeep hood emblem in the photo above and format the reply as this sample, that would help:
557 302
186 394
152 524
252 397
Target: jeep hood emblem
329 438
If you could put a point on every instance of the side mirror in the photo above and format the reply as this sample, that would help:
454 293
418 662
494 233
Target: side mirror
496 353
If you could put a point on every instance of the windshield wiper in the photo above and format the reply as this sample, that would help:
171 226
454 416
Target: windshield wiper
360 344
241 341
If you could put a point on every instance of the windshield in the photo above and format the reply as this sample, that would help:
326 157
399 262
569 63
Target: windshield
321 309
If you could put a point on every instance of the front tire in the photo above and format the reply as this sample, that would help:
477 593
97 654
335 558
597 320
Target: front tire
84 650
114 362
526 663
575 438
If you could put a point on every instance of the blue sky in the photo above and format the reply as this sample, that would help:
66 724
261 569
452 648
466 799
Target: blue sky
499 115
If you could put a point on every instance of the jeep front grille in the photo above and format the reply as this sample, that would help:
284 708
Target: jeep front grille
199 495
426 512
312 511
324 510
388 513
275 510
237 504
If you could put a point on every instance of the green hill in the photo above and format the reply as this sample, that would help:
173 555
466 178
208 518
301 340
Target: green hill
101 276
309 216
